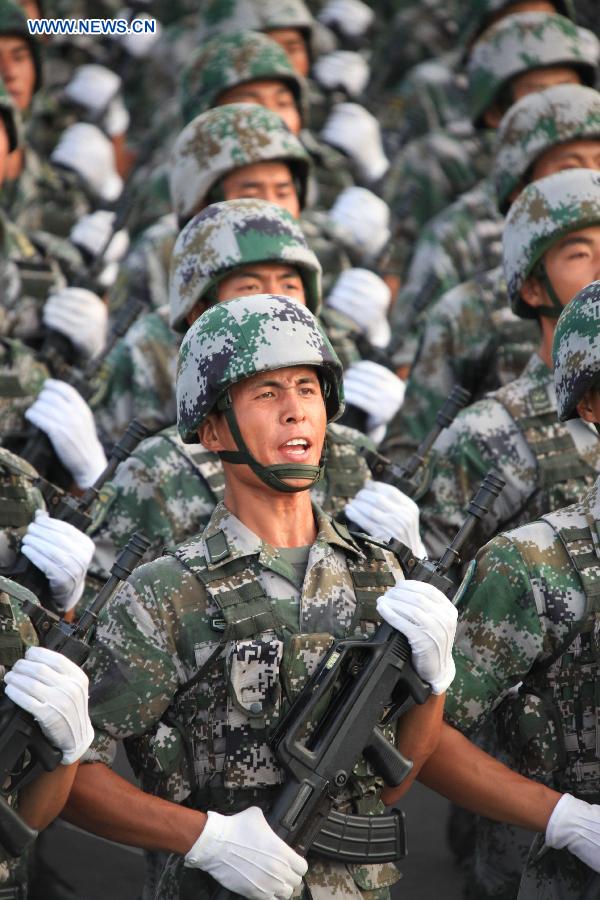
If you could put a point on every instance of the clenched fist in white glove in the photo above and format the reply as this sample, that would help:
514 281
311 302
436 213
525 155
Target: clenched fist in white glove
366 218
575 824
384 512
93 88
342 70
428 620
55 691
375 390
355 131
80 315
243 853
62 413
87 151
62 553
365 298
351 17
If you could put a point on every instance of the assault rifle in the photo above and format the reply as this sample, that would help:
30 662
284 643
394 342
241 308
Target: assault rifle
359 687
24 751
73 510
402 477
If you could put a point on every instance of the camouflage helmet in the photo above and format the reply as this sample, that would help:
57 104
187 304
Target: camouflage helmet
224 139
12 118
576 350
545 211
225 16
234 340
522 42
538 122
227 235
13 22
477 13
232 59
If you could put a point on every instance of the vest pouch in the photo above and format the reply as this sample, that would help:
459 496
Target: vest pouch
528 725
327 879
253 705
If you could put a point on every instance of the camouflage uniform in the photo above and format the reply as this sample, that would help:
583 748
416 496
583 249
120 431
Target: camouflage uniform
199 737
545 463
431 172
470 335
465 239
529 617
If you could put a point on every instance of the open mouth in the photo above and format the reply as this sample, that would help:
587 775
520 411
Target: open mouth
296 448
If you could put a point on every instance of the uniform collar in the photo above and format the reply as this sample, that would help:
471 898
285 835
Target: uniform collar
226 538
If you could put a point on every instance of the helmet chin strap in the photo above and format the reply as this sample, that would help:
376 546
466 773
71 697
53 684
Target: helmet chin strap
273 475
554 311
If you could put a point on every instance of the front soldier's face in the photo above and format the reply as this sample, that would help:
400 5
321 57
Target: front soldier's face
536 80
580 154
272 181
292 41
574 262
17 70
274 95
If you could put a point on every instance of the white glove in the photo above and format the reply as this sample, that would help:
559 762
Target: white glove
366 218
575 824
93 88
242 853
365 298
116 119
92 232
351 17
86 150
375 390
385 512
55 691
81 316
428 620
355 131
63 553
62 413
140 44
342 69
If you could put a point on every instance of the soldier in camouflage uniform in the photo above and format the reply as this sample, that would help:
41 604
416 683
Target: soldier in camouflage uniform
545 464
431 172
169 488
470 335
528 618
301 594
465 239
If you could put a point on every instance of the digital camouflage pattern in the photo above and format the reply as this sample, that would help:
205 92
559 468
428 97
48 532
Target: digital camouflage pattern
545 211
525 41
538 122
460 242
575 350
232 59
470 337
170 489
234 340
227 138
160 628
19 499
428 174
223 16
515 430
476 14
525 597
227 235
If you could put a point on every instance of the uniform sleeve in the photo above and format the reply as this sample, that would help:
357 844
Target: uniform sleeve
499 634
133 666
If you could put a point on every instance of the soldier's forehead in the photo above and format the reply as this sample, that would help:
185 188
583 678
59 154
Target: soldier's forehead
287 375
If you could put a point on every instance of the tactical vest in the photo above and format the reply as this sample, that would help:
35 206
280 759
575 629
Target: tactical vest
345 472
554 725
562 475
211 748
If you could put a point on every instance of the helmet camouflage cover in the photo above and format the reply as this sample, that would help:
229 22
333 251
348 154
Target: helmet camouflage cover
229 234
232 59
227 138
544 212
12 118
224 16
566 112
234 340
477 13
522 42
576 350
13 22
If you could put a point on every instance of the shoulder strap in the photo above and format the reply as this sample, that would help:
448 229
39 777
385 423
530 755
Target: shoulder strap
207 464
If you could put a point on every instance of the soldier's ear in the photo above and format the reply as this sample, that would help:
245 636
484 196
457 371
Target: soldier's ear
587 406
532 292
210 432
